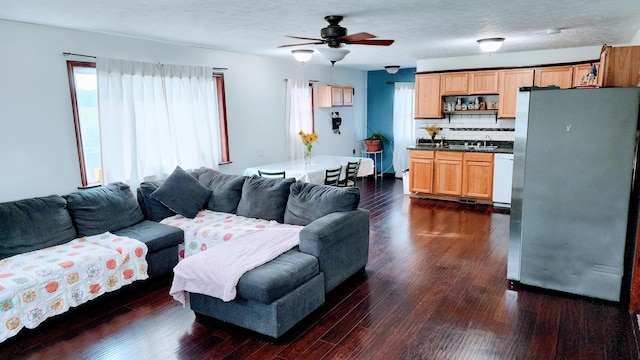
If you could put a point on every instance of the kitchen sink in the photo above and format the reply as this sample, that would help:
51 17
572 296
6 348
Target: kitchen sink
472 147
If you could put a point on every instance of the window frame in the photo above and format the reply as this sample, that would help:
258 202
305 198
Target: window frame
218 79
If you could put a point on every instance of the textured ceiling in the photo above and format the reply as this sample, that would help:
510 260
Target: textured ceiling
422 29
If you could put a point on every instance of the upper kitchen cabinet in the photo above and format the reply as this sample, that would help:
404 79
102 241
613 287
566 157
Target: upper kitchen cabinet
581 74
561 76
620 66
329 96
483 82
428 103
510 82
456 83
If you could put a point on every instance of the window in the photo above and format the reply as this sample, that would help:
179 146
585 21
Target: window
84 98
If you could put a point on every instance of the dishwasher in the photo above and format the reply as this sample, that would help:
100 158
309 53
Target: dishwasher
502 180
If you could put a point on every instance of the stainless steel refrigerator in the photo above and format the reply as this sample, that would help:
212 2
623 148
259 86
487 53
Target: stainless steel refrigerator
574 165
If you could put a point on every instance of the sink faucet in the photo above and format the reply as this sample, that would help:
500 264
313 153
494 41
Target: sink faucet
485 141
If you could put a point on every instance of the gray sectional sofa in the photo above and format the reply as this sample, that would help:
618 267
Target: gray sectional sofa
273 297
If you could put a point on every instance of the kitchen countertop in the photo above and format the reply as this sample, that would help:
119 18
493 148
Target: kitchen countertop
498 150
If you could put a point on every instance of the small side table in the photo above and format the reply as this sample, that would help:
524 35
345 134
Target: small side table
376 172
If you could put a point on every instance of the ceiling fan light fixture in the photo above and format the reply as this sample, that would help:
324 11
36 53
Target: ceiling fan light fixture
302 55
490 44
392 69
333 55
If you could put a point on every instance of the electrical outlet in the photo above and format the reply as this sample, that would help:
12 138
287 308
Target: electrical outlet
354 151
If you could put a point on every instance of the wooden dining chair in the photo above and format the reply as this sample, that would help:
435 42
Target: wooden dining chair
271 174
332 176
351 174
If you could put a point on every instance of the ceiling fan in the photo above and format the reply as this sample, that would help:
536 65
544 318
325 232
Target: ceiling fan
335 35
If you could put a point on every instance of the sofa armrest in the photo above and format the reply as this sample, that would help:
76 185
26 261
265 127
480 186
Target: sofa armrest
340 241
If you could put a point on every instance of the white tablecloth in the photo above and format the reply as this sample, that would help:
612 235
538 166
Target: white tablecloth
314 172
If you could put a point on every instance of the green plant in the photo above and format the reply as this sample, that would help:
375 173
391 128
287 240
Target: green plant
379 136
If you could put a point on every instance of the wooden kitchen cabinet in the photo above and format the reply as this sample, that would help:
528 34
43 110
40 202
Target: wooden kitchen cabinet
561 76
329 96
477 175
428 103
620 66
421 171
510 82
448 173
456 83
483 82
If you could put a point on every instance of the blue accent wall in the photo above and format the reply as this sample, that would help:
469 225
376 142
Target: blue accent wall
380 107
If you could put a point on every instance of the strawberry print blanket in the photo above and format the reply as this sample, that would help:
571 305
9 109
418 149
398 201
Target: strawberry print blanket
39 284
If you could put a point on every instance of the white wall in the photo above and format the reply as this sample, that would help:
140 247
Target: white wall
38 153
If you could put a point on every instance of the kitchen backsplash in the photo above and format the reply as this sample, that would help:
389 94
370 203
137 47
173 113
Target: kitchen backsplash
472 127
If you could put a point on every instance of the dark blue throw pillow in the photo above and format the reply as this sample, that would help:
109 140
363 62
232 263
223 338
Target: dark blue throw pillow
182 193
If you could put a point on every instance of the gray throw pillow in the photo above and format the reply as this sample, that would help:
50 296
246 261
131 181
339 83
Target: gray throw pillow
182 193
264 198
308 202
226 190
105 208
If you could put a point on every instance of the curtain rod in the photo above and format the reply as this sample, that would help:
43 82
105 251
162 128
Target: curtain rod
91 56
74 54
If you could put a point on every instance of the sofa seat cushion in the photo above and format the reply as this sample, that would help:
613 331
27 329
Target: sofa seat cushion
271 281
156 236
33 224
105 208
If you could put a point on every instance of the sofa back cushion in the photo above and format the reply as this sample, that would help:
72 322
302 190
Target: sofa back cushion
105 208
32 224
152 209
226 190
264 198
308 202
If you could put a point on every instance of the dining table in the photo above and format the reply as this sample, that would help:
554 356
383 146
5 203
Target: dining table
313 171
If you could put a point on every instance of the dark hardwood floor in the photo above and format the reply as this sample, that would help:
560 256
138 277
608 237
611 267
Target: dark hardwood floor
435 288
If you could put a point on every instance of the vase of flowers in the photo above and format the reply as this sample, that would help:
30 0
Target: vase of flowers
307 141
433 130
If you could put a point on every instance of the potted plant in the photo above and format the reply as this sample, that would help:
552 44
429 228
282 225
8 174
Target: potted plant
375 141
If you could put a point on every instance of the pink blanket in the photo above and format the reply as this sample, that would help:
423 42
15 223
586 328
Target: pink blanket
216 271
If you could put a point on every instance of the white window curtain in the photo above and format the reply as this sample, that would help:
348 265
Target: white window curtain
299 116
402 125
154 117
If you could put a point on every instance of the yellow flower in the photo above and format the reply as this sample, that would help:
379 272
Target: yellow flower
308 139
433 130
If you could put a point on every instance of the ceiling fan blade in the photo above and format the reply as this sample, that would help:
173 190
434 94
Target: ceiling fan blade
373 42
358 36
304 38
310 43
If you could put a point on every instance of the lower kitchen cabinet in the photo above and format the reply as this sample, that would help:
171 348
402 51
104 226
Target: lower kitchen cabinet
477 175
421 171
451 175
448 173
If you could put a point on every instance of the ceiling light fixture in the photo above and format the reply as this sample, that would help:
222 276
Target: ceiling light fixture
302 55
333 55
490 44
553 31
392 69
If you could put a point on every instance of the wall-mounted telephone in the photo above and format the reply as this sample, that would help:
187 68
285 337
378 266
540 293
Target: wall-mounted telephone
336 121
